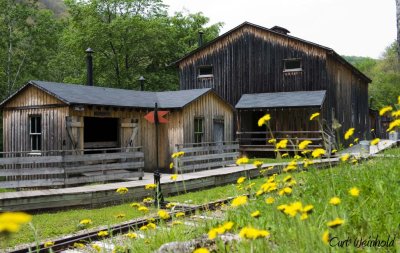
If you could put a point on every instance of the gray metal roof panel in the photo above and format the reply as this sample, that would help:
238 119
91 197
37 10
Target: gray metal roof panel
94 95
282 99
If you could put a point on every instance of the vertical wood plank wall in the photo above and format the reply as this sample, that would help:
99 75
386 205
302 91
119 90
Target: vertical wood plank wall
251 60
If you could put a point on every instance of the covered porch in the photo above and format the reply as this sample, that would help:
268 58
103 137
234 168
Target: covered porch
290 119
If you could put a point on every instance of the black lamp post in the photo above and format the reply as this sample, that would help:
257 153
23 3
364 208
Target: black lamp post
159 198
141 81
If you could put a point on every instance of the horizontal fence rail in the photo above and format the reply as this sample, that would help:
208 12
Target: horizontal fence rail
252 141
71 167
206 155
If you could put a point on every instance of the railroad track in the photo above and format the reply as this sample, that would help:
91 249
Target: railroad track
67 243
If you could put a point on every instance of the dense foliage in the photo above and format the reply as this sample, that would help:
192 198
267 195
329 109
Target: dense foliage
130 38
385 75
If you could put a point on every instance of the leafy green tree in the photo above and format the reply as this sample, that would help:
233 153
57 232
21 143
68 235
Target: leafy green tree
28 38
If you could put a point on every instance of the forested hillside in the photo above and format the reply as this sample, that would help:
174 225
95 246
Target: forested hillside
384 73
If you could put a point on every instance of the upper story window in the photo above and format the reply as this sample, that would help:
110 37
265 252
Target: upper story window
205 71
35 132
292 65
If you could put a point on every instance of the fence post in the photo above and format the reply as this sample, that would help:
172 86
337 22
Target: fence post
62 165
175 160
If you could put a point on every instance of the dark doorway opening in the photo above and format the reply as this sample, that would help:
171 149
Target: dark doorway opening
100 133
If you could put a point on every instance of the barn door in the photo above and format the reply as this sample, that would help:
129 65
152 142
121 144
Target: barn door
75 131
129 133
218 135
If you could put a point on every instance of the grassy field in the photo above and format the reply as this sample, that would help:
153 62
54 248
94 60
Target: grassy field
374 212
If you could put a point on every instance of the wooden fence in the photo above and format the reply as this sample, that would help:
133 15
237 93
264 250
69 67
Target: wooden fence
258 141
64 168
206 155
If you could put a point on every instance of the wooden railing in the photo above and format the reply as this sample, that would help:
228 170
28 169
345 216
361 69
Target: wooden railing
206 155
258 140
64 168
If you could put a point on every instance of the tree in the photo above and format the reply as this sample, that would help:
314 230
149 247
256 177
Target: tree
130 38
398 27
28 38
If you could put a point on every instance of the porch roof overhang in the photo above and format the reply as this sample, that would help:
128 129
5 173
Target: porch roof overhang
294 99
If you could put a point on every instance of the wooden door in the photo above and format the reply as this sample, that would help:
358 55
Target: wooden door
129 133
218 128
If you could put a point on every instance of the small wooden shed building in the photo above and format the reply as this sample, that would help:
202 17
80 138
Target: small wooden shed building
43 116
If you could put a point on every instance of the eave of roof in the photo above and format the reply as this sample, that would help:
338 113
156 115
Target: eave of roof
329 50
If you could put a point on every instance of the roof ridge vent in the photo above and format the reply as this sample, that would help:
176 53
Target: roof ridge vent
280 29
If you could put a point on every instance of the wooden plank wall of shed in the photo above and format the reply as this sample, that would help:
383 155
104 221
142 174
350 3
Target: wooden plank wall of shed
209 107
250 60
348 95
33 101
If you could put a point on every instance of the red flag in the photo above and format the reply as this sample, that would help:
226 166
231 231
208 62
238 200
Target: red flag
150 117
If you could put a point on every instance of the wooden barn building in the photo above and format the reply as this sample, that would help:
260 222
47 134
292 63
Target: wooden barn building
44 116
287 77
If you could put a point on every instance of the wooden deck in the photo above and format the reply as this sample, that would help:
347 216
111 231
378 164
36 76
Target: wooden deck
97 195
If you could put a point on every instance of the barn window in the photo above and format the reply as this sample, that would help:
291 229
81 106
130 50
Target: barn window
198 130
292 65
205 71
35 132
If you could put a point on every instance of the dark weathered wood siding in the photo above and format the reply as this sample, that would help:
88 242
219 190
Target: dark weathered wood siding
251 60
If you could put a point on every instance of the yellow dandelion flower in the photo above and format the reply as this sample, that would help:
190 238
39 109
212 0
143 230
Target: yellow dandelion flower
96 247
201 250
228 225
314 115
285 191
143 209
355 192
10 222
48 244
85 222
282 207
78 245
326 237
304 216
304 144
335 223
270 141
396 114
393 124
143 228
281 144
345 157
263 120
131 235
151 225
398 100
240 180
308 209
180 214
171 166
171 205
163 214
305 152
297 157
349 133
177 154
174 177
252 233
238 201
384 110
259 193
350 145
289 168
122 190
242 160
151 220
150 186
334 151
269 200
148 200
212 234
285 155
255 214
334 201
102 233
318 152
258 164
